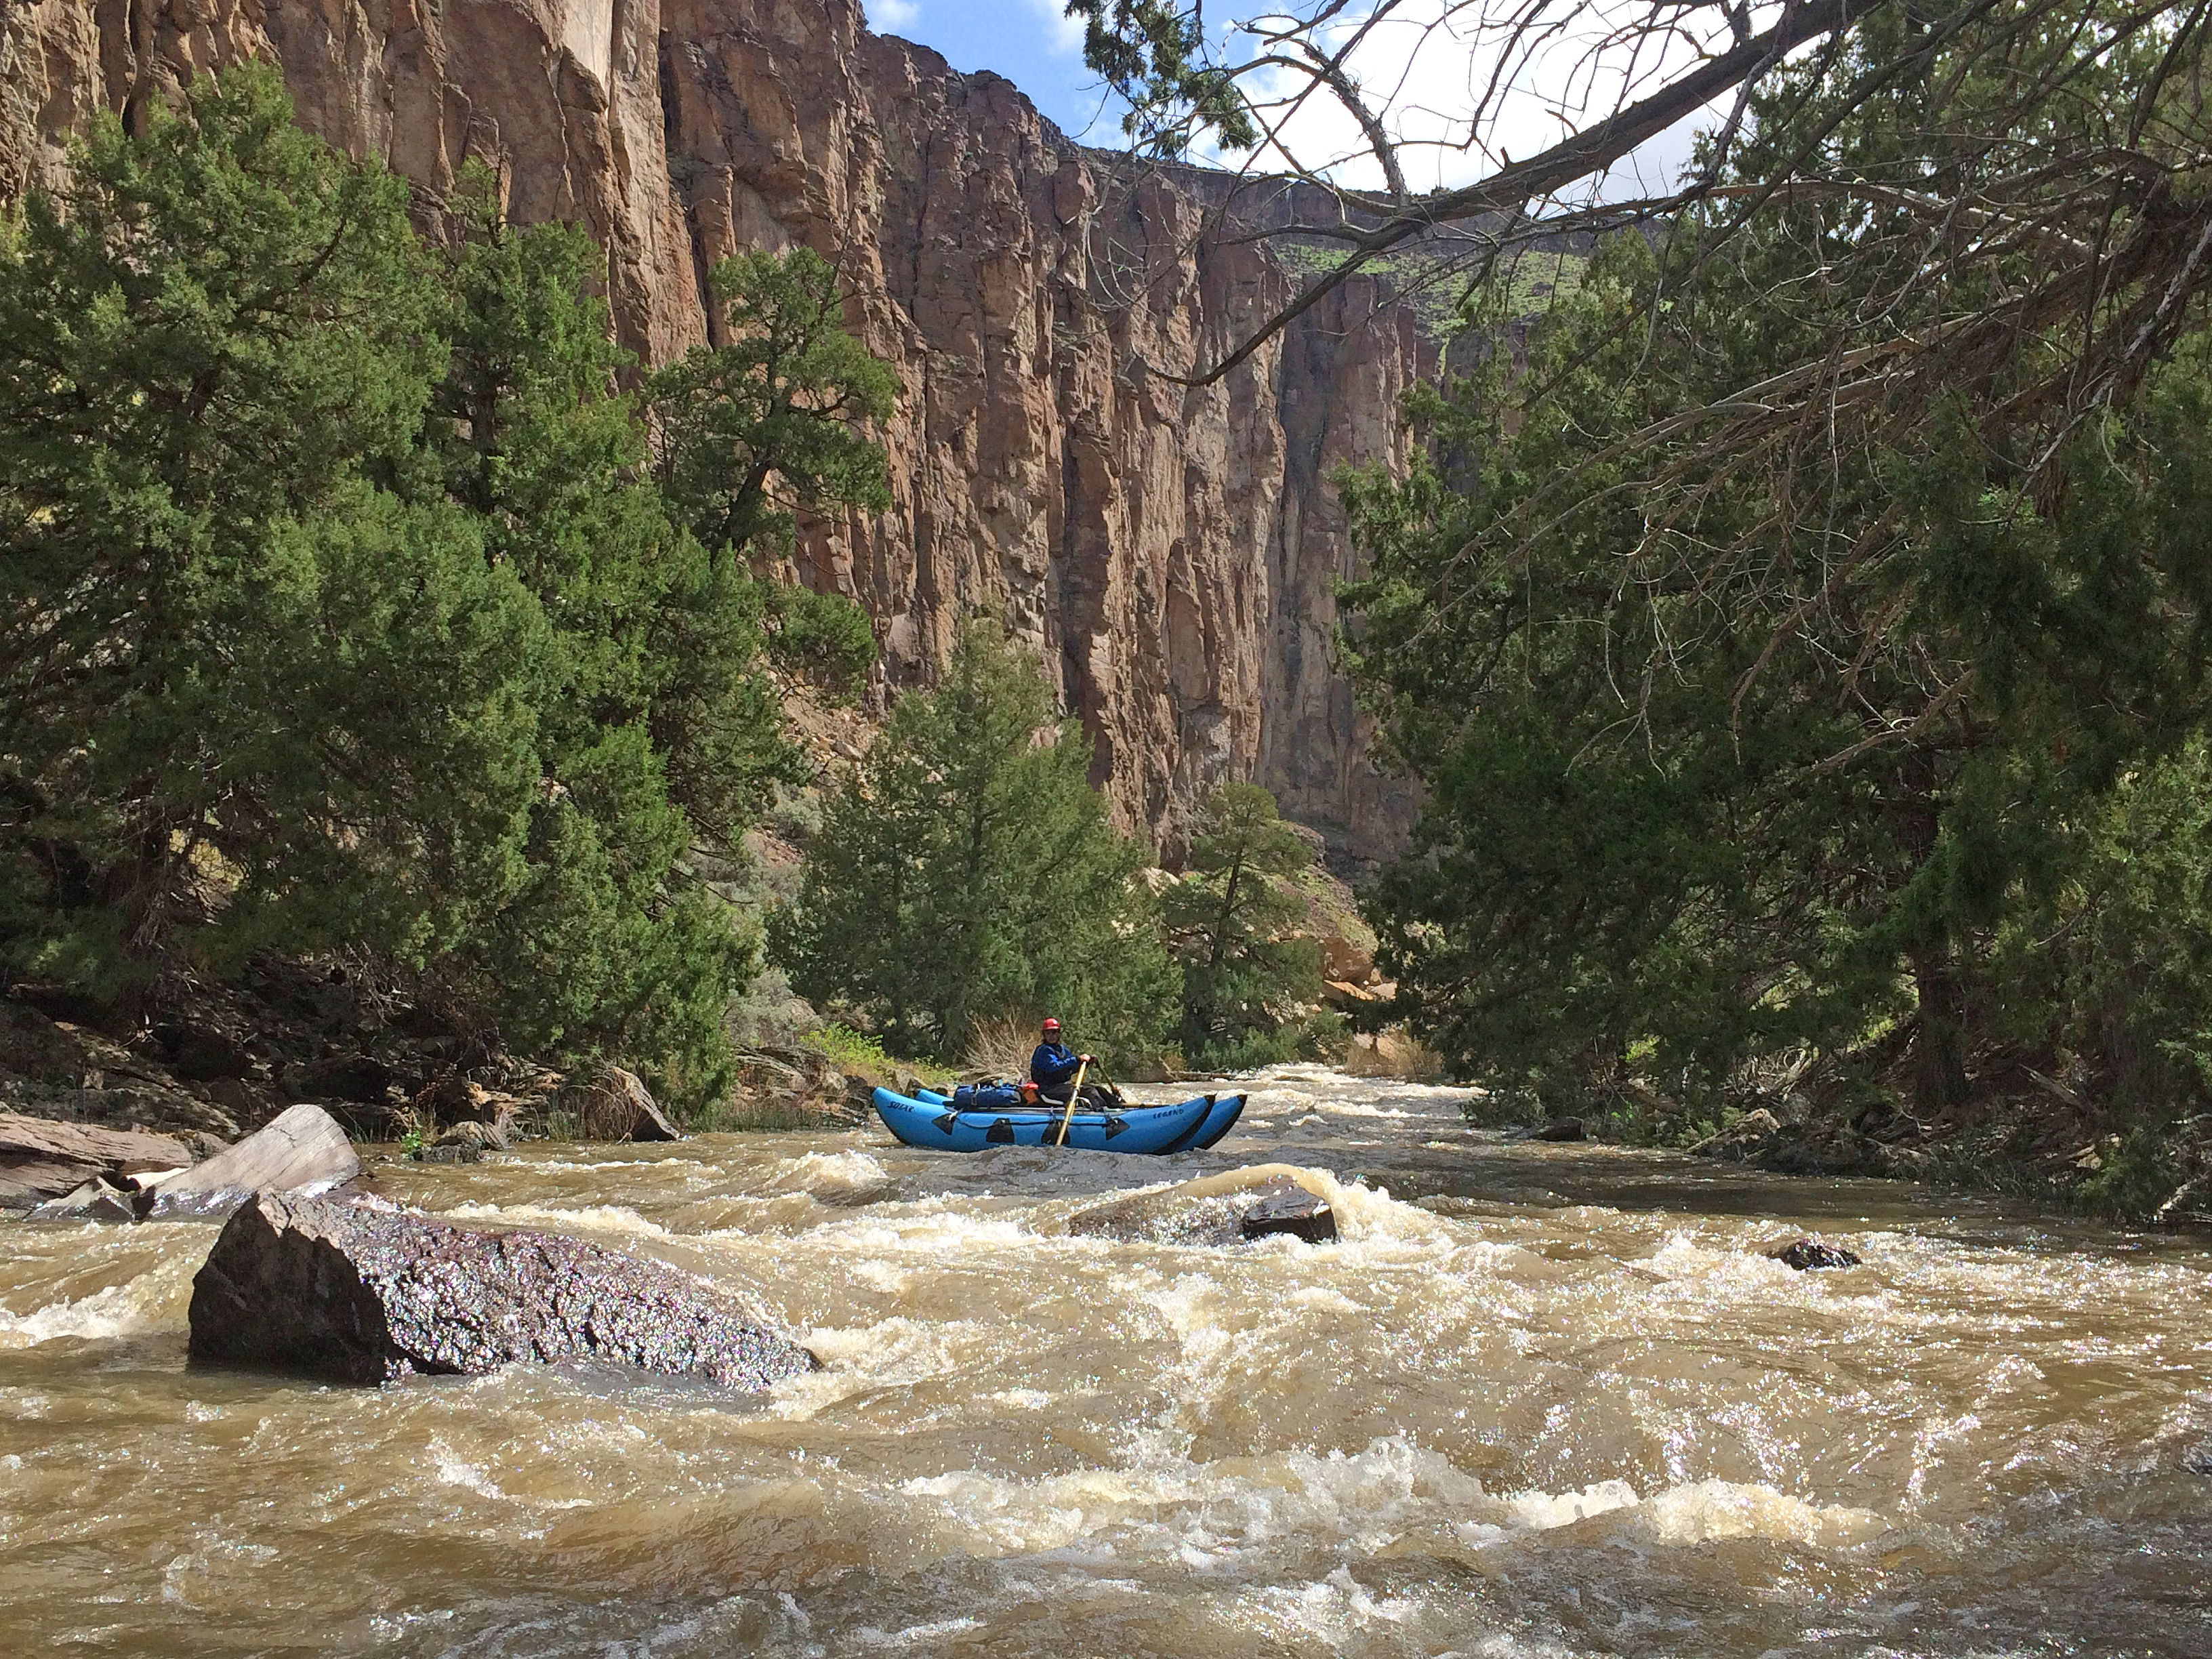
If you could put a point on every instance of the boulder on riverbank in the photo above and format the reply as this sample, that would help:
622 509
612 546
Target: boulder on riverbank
41 1160
359 1291
302 1150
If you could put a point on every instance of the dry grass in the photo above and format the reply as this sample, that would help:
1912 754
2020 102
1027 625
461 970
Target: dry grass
997 1049
744 1115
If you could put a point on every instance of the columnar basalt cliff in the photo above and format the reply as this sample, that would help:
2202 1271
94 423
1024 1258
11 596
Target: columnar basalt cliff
1174 551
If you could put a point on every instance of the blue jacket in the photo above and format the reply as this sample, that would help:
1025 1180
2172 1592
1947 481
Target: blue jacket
1053 1062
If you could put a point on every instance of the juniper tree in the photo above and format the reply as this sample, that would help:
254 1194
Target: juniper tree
966 870
229 663
770 422
338 605
1246 981
1746 715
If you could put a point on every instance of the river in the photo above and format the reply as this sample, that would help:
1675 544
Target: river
1539 1401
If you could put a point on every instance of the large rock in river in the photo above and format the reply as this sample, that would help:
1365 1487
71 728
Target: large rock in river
1255 1202
358 1291
302 1149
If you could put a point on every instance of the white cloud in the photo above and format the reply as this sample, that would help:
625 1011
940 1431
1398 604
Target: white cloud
1064 33
893 14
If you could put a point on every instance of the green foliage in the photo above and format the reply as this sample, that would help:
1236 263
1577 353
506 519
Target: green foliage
339 606
849 1050
822 637
766 424
859 1054
1431 279
202 341
966 870
1246 988
2137 1175
2108 968
1735 745
1153 54
652 630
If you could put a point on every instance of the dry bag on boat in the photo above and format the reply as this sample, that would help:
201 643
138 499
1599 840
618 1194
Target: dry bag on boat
986 1096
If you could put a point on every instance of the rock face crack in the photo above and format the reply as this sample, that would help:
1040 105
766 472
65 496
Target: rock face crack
362 1293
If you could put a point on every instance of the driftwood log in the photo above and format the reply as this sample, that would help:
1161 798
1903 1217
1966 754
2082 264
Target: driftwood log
613 1104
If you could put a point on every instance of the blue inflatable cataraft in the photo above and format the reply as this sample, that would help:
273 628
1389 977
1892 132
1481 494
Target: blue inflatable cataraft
932 1120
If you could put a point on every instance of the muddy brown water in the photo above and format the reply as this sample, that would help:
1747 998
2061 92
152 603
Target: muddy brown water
1539 1401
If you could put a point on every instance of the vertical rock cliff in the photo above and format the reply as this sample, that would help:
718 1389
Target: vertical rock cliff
1173 551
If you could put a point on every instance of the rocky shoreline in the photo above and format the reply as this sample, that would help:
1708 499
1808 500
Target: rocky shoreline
91 1093
2011 1146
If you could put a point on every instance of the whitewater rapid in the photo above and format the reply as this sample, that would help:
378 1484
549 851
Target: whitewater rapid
1537 1400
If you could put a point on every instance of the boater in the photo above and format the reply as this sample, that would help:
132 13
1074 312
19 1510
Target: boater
1053 1067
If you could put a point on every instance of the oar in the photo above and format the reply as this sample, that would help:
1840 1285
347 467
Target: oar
1074 1094
1106 1077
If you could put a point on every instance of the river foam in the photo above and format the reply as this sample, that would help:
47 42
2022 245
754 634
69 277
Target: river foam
1535 1401
149 1301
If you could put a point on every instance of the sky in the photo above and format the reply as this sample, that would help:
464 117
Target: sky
1028 41
1424 67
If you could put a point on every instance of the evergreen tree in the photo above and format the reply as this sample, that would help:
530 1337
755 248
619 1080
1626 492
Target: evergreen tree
967 870
2105 975
338 605
1245 985
1744 734
765 424
249 696
529 431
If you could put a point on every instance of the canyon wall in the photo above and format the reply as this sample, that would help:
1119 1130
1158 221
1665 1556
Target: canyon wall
1174 552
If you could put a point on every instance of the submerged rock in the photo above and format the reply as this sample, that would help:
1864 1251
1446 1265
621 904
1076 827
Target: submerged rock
495 1136
1228 1209
355 1290
302 1149
1806 1254
449 1152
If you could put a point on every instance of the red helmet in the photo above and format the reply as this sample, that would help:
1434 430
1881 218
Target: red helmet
1050 1024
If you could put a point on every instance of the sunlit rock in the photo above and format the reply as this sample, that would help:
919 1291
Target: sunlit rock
302 1149
1225 1209
98 1200
359 1291
41 1160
